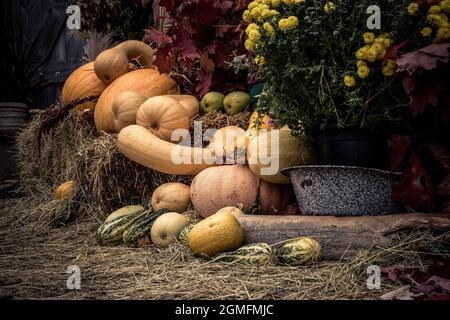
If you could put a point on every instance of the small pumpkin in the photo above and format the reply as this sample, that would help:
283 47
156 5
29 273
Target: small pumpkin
221 141
216 234
141 146
125 107
113 63
273 150
167 227
174 196
65 191
238 149
162 116
189 103
219 187
124 211
83 82
146 82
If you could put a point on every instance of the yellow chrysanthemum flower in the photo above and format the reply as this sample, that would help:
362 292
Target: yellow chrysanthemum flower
372 55
379 49
349 81
260 60
288 2
363 72
274 13
275 3
435 9
299 1
246 16
252 5
389 68
445 5
362 52
265 13
442 35
270 30
250 27
387 43
329 7
426 32
368 37
293 21
249 44
254 35
361 63
413 8
255 12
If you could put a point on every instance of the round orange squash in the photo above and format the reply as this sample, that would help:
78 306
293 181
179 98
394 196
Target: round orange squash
65 191
162 115
216 234
173 196
83 82
125 107
146 82
113 63
218 187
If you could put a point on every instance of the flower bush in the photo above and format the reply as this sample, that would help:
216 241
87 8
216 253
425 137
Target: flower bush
323 67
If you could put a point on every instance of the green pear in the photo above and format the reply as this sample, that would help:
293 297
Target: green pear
236 102
212 101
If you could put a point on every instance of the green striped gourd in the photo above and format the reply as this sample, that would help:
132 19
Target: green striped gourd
111 232
182 237
299 251
256 254
123 212
141 228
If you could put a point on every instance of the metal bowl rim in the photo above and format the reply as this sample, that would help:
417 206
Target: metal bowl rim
347 168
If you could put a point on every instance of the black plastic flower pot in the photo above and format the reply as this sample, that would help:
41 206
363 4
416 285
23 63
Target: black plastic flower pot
353 147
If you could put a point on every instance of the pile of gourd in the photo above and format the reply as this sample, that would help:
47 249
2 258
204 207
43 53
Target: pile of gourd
219 236
147 110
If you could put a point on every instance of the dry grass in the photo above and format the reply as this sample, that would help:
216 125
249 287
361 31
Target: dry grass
106 180
34 258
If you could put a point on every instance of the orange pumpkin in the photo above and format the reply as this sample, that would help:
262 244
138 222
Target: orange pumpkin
83 82
146 82
218 187
125 107
221 141
65 191
162 115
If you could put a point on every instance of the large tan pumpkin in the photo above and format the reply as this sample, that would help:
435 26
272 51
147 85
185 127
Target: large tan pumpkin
173 196
124 109
83 82
268 155
216 234
218 187
146 82
162 116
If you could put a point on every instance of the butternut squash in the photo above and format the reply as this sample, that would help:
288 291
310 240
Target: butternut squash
141 146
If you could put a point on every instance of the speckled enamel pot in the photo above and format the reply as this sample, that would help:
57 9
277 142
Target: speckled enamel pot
343 191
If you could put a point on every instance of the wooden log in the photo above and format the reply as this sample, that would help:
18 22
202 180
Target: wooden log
340 237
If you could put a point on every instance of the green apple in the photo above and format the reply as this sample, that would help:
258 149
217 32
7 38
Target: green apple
212 101
236 102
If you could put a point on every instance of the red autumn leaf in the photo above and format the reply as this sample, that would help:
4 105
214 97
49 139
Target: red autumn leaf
164 60
425 58
202 12
184 44
392 52
205 76
414 189
398 147
157 37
